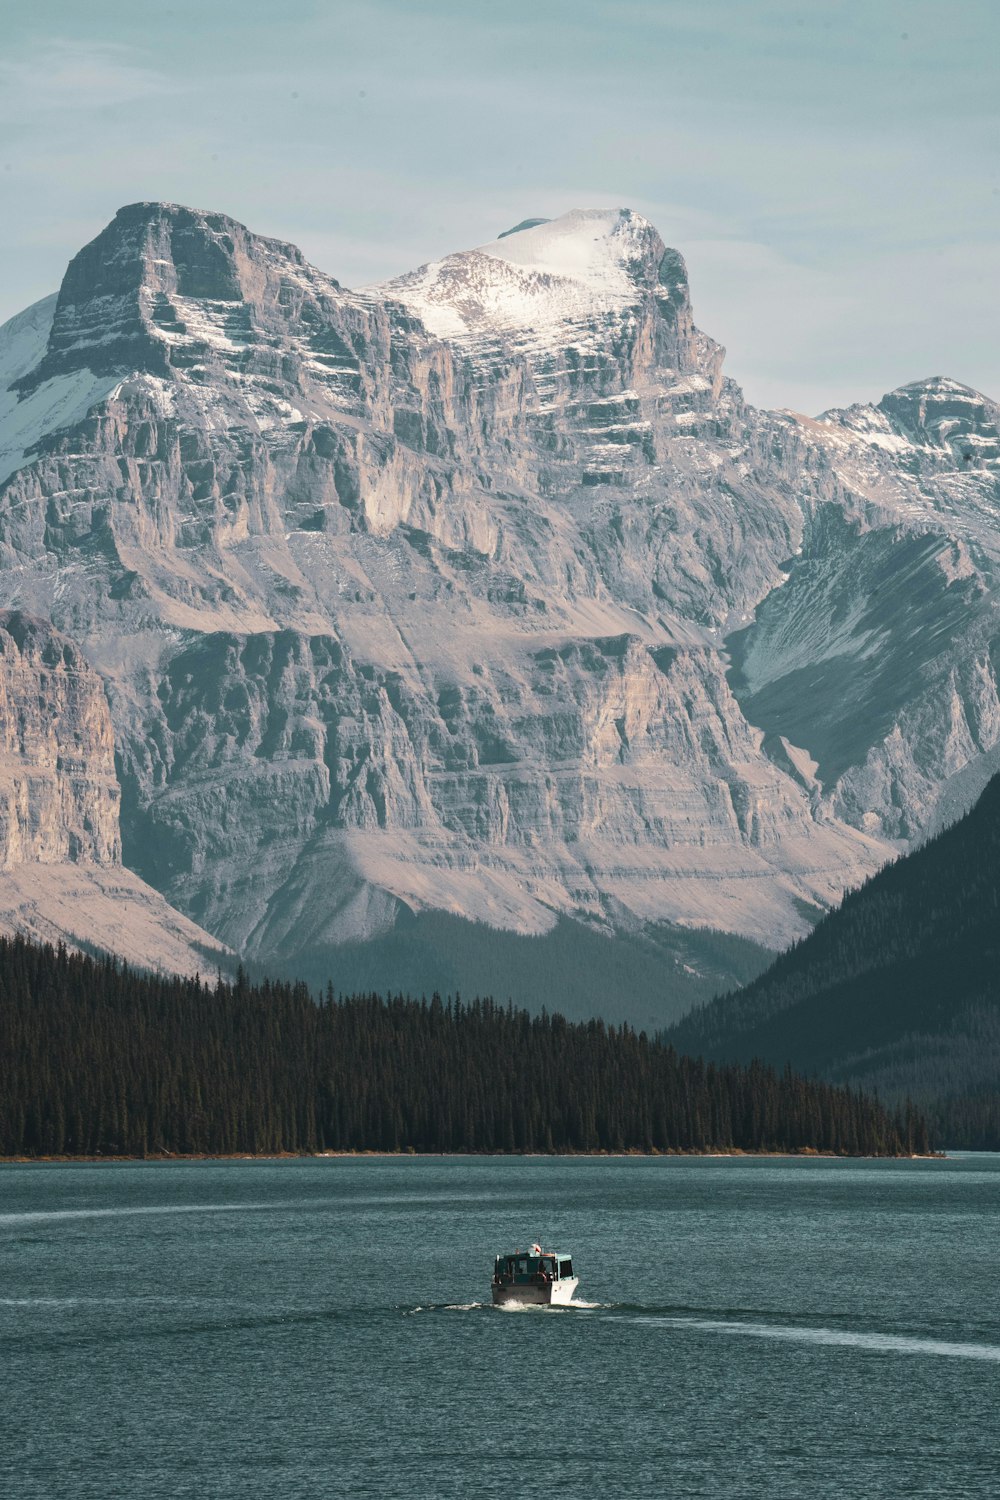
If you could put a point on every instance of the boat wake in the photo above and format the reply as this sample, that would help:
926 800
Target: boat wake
55 1216
883 1343
577 1305
545 1307
690 1321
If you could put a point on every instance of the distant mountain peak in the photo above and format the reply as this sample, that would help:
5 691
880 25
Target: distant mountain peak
162 207
942 413
119 307
935 385
935 416
545 275
610 250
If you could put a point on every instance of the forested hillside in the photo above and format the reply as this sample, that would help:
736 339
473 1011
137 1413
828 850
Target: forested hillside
898 989
96 1059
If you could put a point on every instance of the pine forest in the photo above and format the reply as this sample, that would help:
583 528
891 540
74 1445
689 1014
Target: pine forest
98 1060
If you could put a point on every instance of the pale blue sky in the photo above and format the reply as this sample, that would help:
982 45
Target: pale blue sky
831 171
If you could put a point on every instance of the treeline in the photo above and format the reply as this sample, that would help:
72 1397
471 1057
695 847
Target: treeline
898 990
98 1060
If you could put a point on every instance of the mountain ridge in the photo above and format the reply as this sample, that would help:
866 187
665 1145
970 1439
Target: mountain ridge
394 622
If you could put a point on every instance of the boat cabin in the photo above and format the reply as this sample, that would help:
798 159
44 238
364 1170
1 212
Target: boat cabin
529 1268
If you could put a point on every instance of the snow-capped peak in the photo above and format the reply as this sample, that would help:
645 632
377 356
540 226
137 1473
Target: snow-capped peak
936 415
942 413
597 247
588 263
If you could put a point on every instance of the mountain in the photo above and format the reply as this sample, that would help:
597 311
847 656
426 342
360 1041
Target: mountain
644 976
896 990
61 875
484 593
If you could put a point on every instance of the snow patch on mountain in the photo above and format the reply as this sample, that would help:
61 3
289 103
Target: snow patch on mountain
563 271
26 418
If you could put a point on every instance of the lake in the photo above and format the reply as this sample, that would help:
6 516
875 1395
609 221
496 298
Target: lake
748 1327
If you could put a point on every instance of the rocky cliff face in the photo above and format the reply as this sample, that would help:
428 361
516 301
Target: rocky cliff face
484 590
881 652
60 848
58 789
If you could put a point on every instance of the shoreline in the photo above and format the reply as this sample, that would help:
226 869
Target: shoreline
160 1158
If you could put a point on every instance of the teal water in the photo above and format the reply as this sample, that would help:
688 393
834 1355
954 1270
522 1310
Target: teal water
318 1328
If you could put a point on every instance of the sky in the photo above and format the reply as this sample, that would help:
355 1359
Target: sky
830 171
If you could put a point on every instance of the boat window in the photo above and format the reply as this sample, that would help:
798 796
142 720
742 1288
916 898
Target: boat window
565 1268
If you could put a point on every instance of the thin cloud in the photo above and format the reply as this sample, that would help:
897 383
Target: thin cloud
820 171
67 76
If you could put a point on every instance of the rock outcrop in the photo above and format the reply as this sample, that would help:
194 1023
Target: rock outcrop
484 589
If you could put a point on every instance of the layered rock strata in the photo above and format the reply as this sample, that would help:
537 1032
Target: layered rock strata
485 590
60 847
58 790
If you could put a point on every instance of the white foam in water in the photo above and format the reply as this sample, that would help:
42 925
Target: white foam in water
882 1343
556 1307
515 1307
526 1307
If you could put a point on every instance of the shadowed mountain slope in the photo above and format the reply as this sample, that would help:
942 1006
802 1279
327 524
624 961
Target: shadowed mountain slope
646 978
898 989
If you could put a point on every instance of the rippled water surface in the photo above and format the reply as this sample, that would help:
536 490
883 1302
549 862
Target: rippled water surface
317 1328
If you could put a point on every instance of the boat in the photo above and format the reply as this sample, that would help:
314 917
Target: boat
535 1277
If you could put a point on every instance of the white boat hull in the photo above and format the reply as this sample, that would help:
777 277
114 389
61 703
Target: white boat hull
551 1294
